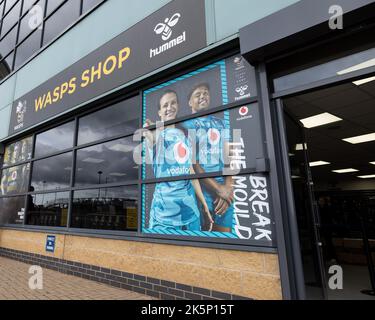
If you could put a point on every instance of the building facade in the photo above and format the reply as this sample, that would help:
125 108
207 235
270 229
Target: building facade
144 144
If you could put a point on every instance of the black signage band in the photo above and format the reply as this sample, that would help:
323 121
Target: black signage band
174 31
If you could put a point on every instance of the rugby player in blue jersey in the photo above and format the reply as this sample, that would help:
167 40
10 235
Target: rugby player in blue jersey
174 205
212 147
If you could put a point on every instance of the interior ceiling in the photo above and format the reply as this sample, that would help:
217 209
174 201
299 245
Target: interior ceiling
356 106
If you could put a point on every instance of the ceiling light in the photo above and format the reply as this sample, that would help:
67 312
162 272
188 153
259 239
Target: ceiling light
371 176
318 163
361 139
363 81
319 120
345 170
93 160
299 147
373 163
360 66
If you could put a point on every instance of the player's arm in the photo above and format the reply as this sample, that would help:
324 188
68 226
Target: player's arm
221 203
200 196
224 191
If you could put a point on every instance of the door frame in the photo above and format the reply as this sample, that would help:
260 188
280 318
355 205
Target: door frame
290 248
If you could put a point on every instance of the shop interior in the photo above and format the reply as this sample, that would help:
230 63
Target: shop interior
331 139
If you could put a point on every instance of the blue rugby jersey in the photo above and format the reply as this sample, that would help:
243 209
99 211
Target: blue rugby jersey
174 203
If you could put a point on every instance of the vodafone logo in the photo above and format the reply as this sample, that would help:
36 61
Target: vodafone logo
181 152
213 136
244 111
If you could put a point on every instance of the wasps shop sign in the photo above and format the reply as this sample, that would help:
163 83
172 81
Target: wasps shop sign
176 30
88 77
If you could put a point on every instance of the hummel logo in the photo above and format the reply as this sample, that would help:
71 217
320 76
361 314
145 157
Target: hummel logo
241 90
165 28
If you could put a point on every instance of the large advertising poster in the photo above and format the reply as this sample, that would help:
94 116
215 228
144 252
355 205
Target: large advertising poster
228 204
15 180
18 152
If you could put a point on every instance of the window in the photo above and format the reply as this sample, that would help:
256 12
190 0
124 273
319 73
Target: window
106 209
53 4
18 152
1 9
27 4
25 28
61 19
12 210
52 173
6 65
110 162
14 180
89 4
186 160
43 178
11 18
8 42
120 119
54 140
32 24
48 209
9 4
28 48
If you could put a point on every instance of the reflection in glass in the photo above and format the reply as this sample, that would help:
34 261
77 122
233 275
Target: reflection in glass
110 162
6 66
12 210
8 43
25 21
88 4
15 180
50 209
19 151
52 5
61 19
106 209
54 140
52 173
28 48
27 4
121 118
1 9
11 18
9 4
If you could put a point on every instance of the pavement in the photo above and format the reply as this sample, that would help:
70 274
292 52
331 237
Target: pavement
15 278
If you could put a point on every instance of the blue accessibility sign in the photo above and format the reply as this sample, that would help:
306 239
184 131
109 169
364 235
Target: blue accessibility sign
50 244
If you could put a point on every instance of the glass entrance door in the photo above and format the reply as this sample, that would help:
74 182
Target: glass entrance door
306 211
